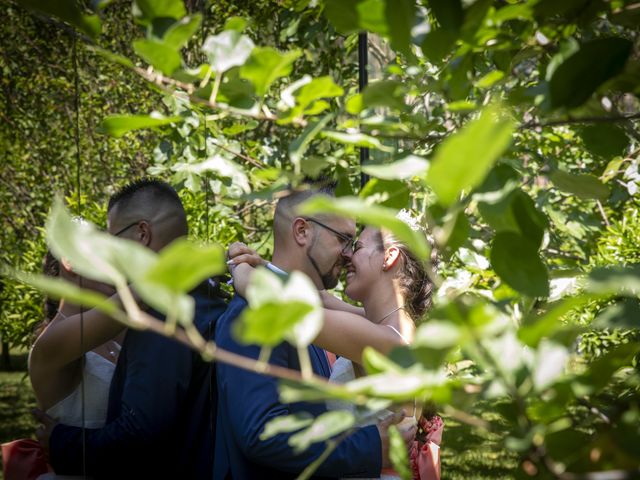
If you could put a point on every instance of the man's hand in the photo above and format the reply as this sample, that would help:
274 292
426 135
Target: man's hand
47 424
407 428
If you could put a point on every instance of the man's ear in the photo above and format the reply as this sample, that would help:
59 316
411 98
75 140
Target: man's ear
300 231
391 256
143 233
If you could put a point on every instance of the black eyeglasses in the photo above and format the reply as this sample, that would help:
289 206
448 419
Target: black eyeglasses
128 227
348 241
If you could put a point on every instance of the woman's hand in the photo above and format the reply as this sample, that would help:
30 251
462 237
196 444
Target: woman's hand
239 253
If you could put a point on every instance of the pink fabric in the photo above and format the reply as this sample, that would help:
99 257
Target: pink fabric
425 456
24 459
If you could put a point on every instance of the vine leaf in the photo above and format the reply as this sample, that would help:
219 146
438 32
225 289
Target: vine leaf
575 79
266 65
515 259
118 125
582 185
463 160
227 49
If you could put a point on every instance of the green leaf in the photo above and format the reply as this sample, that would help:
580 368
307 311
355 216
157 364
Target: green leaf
112 57
182 265
601 370
612 169
398 454
324 427
159 55
385 93
76 242
581 185
399 386
285 424
390 18
614 280
624 314
402 169
515 258
357 139
299 146
453 233
449 13
269 324
578 77
437 334
350 16
234 91
517 213
376 216
463 160
179 34
605 140
148 10
400 16
321 87
266 65
276 313
59 288
235 23
67 11
490 79
535 328
228 49
389 193
438 43
118 125
374 362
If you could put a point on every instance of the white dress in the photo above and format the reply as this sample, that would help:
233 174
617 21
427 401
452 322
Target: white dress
343 372
97 375
96 381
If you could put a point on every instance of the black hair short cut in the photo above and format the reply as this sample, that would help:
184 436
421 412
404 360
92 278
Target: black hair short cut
158 190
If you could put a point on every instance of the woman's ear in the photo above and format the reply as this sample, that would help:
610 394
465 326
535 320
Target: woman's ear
300 231
391 256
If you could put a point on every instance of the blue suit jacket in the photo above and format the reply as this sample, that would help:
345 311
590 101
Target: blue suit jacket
159 422
247 401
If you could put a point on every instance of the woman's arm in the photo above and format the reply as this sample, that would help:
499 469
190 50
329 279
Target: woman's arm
60 343
332 302
347 334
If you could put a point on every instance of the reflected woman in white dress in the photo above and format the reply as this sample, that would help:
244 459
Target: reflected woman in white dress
71 365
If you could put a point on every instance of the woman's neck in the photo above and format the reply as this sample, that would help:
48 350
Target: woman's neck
382 303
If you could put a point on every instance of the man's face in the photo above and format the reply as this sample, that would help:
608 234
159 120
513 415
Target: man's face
331 247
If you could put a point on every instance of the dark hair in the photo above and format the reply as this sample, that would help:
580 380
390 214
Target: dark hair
415 285
157 190
308 189
51 268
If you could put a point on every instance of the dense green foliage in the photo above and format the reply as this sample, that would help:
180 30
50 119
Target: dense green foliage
510 127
